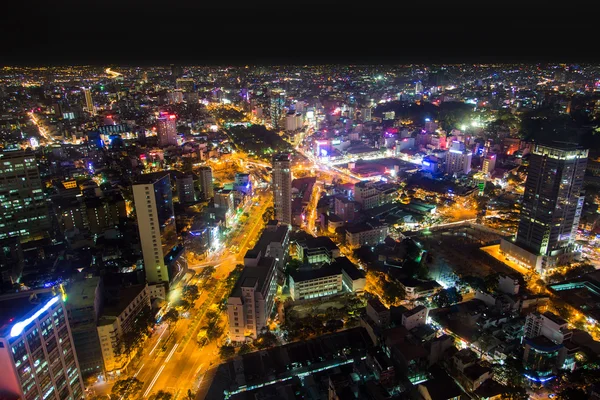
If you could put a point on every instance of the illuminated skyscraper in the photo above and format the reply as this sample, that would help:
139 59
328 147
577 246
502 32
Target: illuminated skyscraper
489 164
206 182
167 130
282 188
89 103
156 223
552 201
277 100
37 354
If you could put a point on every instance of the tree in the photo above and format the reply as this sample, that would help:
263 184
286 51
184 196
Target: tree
292 266
161 395
491 282
265 340
190 395
171 316
447 297
226 352
127 388
245 349
191 293
269 214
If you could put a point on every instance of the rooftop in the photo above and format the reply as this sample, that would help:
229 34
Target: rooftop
253 276
307 275
153 177
83 293
126 295
18 306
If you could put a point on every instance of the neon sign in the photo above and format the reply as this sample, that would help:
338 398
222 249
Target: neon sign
18 328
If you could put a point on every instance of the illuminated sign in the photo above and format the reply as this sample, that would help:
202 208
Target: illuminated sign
426 163
18 328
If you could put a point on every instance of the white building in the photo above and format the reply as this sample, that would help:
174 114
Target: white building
458 159
116 320
251 301
414 318
313 283
156 224
547 324
365 234
206 182
37 354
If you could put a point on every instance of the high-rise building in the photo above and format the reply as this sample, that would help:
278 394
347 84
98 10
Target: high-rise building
489 164
167 130
277 100
282 188
84 305
251 301
185 189
156 223
206 182
458 159
418 88
89 103
118 318
552 201
37 354
24 212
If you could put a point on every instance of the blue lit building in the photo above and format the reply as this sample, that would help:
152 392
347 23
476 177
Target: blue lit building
37 356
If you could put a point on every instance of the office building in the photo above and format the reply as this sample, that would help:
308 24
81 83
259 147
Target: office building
37 354
313 283
24 212
206 182
83 308
274 242
167 130
156 223
345 208
372 194
458 159
118 317
105 213
547 324
89 103
415 317
489 164
365 114
276 102
242 183
366 234
251 301
317 250
552 201
186 191
282 188
418 87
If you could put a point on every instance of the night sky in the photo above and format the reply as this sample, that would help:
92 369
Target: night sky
309 32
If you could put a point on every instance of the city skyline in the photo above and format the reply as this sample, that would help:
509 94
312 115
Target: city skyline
345 230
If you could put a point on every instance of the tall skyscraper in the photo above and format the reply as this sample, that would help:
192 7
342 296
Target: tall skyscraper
277 100
37 354
156 223
206 182
24 212
489 164
167 130
89 103
552 201
282 188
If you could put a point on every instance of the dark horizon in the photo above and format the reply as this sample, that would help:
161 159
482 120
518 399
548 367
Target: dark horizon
289 35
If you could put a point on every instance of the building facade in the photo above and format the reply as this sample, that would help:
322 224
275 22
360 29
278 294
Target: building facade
282 188
251 301
117 319
37 354
167 130
552 200
206 182
156 224
24 212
